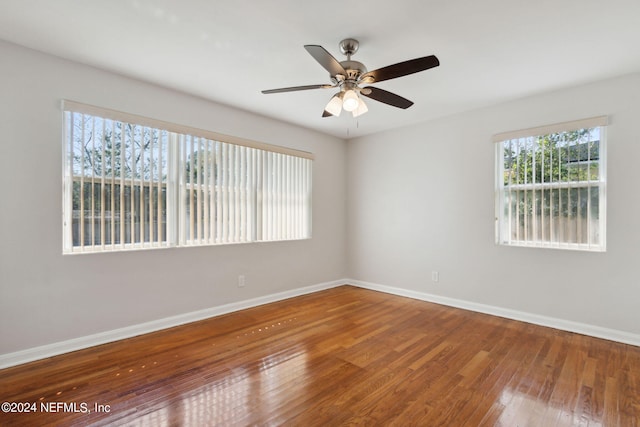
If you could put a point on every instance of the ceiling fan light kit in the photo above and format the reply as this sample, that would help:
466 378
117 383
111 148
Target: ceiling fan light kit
350 100
334 107
349 75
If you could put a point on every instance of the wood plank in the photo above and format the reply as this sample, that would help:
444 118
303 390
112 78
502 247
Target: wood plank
344 356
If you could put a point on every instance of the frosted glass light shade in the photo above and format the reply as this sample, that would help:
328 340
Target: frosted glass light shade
362 108
350 100
334 106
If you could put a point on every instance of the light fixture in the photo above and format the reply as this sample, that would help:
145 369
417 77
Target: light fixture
334 107
362 108
350 100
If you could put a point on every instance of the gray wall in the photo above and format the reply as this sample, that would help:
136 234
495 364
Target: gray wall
388 209
421 198
46 297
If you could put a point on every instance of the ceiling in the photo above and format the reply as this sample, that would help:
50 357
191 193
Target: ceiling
490 51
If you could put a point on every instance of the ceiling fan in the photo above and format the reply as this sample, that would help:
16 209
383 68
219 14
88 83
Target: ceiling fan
349 75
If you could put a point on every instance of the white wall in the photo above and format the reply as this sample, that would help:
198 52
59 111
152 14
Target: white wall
47 298
422 199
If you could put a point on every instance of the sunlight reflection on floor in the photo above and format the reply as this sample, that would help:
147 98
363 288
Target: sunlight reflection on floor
234 398
522 410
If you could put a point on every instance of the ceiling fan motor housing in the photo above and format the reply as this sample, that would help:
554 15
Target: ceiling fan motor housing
354 69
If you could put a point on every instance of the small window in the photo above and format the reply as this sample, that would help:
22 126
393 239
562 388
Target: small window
551 186
136 183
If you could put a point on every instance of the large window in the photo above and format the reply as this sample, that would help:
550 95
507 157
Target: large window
551 186
133 183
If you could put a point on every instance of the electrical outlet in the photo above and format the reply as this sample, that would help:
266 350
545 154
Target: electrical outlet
435 276
241 281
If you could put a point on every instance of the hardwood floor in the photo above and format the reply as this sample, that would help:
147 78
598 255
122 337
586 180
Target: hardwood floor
344 356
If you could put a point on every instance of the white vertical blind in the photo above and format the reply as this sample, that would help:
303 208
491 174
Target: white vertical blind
550 187
132 186
228 200
109 184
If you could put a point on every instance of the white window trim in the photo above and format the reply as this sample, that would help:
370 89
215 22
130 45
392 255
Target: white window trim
592 122
497 139
107 113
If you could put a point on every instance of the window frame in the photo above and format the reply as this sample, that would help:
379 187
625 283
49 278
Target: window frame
285 167
502 221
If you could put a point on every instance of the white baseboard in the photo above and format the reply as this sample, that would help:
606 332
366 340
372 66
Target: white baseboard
49 350
536 319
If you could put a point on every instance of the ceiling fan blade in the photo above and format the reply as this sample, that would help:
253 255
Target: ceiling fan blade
295 88
325 113
386 97
401 69
325 59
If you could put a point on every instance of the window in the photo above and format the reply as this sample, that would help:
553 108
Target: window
551 186
135 183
